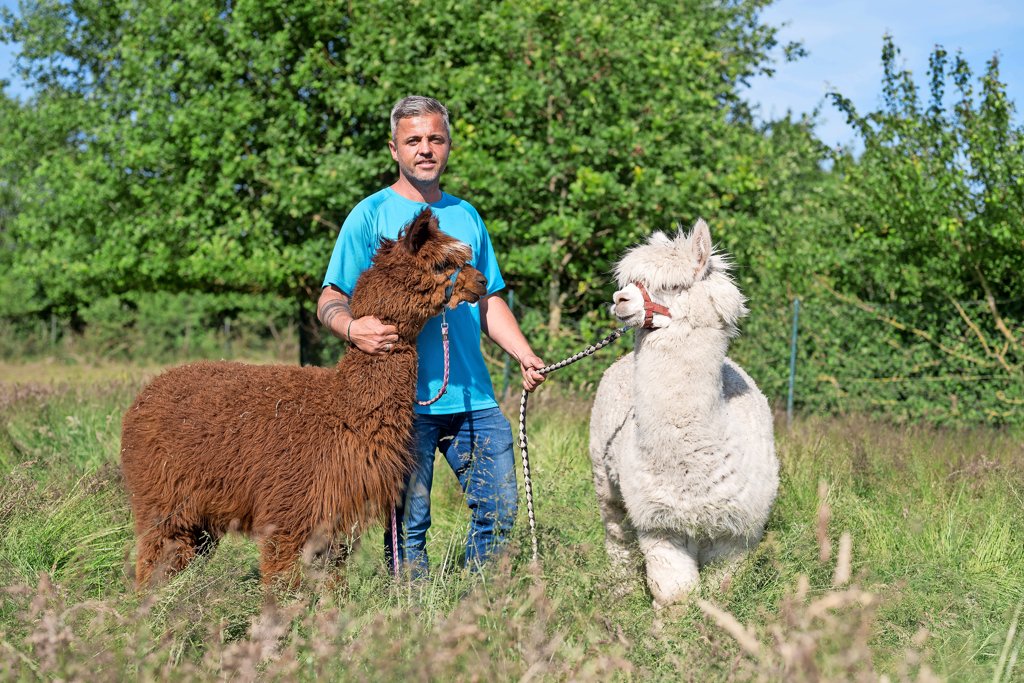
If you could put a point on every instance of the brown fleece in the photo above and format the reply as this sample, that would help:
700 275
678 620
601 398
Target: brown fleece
289 455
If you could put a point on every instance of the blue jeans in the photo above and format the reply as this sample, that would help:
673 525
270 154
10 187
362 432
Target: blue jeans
478 448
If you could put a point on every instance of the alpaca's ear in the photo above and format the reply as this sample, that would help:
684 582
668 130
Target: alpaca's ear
421 229
700 248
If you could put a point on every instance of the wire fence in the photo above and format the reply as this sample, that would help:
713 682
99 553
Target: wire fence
821 354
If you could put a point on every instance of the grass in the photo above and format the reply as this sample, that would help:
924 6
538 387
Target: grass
925 585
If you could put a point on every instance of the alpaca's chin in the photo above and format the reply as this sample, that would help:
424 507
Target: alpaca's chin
457 301
632 321
631 318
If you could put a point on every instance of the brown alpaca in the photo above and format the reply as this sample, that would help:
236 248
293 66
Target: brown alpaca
284 453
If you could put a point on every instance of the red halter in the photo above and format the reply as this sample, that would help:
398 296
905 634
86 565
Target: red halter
650 308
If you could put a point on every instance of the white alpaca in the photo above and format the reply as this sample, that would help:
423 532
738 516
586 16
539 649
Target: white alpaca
681 439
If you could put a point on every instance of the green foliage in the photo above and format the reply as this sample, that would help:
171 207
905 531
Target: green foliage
182 147
62 507
926 262
921 506
170 326
200 148
179 160
160 326
78 537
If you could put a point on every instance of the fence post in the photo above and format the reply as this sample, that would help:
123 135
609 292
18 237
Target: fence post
227 337
792 363
506 373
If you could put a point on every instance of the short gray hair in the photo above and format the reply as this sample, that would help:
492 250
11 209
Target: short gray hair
417 105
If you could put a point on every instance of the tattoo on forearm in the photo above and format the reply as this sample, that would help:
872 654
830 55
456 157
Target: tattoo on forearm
331 310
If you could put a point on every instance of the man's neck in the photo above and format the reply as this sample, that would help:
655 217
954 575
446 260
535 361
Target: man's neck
427 195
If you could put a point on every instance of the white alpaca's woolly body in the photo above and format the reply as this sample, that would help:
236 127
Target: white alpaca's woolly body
681 438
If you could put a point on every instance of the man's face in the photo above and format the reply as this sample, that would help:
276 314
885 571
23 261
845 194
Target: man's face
421 148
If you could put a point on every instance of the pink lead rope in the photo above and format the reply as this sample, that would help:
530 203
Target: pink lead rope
394 540
444 384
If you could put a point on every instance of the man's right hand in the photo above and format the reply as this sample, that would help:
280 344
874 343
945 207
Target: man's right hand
371 335
368 333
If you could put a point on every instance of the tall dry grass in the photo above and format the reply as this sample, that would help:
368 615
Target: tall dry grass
892 554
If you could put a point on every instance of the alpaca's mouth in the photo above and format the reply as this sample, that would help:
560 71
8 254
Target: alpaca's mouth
628 318
467 285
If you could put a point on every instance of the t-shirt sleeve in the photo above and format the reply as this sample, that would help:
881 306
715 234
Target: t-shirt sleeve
352 252
486 261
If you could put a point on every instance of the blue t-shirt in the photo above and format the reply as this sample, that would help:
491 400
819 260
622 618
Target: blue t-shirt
384 214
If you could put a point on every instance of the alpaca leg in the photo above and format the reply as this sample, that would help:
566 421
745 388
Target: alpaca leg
167 540
162 553
725 555
147 557
619 535
619 544
279 554
672 569
324 557
180 549
148 542
162 545
327 549
612 436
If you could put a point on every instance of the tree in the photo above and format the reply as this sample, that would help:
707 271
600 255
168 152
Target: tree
217 147
935 243
211 149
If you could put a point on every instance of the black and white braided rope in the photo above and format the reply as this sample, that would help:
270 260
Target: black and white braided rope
527 483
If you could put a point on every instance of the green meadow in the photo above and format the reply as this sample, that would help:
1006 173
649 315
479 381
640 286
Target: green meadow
893 553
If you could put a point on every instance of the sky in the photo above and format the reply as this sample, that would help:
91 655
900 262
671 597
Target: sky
844 41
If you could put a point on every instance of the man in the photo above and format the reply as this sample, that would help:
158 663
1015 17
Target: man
465 424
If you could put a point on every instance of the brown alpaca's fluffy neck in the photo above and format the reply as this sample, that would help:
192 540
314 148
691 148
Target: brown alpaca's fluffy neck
378 385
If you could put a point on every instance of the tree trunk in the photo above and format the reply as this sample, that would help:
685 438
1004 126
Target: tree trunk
555 299
311 343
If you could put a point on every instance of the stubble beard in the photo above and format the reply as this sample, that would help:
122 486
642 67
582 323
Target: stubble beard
421 180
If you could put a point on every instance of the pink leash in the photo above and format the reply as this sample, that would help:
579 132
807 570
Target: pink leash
449 291
394 540
444 384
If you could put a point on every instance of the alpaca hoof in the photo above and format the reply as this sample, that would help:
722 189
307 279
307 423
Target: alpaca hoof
663 604
664 599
